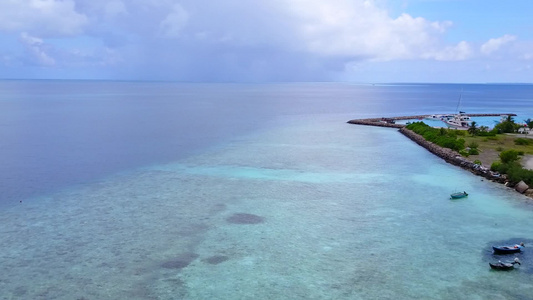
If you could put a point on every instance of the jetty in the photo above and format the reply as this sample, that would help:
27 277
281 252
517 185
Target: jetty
391 121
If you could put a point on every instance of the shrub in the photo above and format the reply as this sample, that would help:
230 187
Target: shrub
515 173
464 153
459 144
473 145
473 151
452 133
444 138
478 162
505 127
508 156
523 141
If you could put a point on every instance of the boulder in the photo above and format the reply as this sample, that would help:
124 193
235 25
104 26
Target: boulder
521 187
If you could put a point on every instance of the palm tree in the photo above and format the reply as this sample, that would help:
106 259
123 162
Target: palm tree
473 128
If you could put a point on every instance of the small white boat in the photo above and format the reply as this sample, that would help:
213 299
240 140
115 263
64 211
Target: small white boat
459 121
437 117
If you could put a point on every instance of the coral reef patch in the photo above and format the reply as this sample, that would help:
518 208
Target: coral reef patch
243 218
181 261
216 259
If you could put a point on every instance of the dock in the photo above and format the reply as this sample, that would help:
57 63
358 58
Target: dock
390 121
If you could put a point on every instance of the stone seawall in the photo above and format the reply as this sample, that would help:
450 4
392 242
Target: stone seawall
375 122
451 156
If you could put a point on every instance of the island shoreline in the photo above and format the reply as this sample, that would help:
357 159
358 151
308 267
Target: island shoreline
448 155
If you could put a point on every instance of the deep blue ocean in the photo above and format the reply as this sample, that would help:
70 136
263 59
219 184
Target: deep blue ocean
156 190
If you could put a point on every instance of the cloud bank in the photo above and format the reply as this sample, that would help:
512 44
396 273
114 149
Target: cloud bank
260 40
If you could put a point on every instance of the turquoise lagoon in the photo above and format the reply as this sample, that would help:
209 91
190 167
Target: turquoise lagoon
305 206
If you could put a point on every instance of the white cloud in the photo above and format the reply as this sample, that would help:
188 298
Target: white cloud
174 22
461 51
362 29
37 48
334 28
41 17
114 8
494 45
235 39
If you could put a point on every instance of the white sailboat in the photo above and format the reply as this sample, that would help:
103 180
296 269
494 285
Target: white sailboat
460 120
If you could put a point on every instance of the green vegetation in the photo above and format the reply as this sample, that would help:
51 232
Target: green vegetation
442 137
473 151
510 151
473 144
481 130
523 141
509 126
495 147
508 156
514 171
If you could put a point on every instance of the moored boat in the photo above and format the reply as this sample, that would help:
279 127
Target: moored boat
504 266
508 249
458 195
459 121
438 117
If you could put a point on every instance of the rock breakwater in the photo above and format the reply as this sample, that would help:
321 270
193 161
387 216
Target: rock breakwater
452 157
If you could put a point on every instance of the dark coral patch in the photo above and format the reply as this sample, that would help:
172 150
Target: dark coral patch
216 259
181 261
242 218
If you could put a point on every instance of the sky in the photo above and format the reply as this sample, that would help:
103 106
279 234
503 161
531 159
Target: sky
363 41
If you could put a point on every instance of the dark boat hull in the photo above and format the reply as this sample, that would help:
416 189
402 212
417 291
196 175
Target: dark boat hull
506 249
458 195
501 266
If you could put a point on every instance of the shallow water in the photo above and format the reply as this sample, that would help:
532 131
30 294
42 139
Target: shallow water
346 212
304 206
